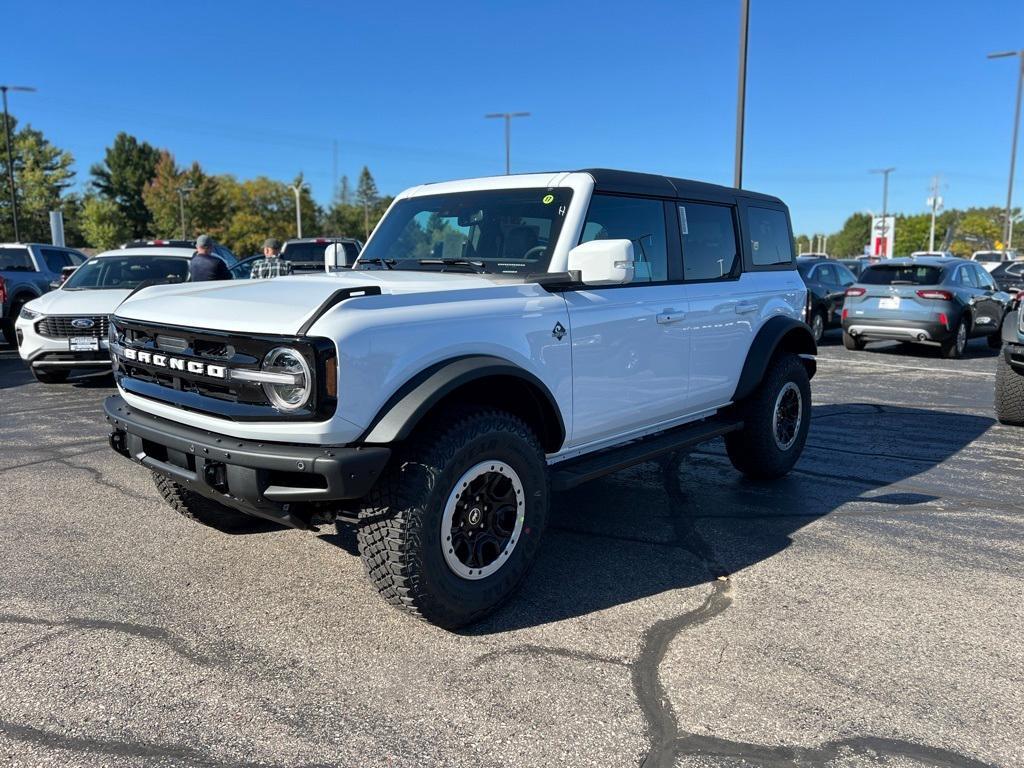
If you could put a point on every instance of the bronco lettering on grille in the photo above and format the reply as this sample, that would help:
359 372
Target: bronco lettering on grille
175 363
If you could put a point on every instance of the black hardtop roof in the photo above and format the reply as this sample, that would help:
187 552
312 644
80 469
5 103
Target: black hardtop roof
634 183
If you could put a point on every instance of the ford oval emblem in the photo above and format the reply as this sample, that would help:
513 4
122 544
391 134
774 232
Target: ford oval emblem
83 322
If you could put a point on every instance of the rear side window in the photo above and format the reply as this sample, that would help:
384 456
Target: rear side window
16 260
639 220
770 244
708 236
901 275
56 260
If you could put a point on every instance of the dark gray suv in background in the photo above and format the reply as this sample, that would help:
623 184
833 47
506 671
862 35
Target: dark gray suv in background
938 301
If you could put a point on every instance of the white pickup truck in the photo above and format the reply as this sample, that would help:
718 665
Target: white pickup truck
498 339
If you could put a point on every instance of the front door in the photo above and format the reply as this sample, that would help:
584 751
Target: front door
630 352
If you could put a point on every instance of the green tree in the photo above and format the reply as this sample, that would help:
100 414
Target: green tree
128 166
977 229
257 209
161 197
367 197
851 239
42 173
103 223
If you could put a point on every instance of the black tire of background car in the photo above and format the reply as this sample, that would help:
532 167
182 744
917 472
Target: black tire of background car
951 349
201 509
817 325
995 340
852 342
50 377
7 324
399 530
753 450
1009 394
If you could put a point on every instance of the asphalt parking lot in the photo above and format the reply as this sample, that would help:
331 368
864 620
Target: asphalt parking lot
866 610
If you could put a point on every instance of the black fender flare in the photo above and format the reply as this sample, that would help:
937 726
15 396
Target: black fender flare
778 333
1009 329
414 400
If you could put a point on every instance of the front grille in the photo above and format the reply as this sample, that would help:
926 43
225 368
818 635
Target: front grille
61 326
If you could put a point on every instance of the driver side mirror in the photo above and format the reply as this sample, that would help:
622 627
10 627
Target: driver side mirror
603 262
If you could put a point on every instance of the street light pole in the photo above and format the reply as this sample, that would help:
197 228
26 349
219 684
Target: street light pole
10 156
182 191
741 96
885 207
508 134
297 189
1013 145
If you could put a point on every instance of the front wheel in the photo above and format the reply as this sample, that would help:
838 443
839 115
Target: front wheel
995 340
453 525
50 377
200 509
776 420
1009 394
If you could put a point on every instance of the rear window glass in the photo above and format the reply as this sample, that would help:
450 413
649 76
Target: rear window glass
305 252
903 275
990 256
770 243
16 259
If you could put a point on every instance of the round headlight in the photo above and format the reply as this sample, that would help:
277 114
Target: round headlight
295 393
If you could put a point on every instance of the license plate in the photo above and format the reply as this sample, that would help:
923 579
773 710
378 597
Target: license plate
889 302
83 344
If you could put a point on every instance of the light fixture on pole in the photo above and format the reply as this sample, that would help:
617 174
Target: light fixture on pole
182 191
10 155
507 116
1013 144
885 208
297 189
741 96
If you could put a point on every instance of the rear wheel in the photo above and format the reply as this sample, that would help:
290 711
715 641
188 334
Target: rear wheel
200 509
454 523
995 340
953 349
776 419
1009 394
50 377
852 342
817 325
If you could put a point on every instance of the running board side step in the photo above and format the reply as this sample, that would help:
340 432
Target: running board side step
573 472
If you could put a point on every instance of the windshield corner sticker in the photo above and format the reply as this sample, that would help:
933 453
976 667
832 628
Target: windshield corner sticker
548 199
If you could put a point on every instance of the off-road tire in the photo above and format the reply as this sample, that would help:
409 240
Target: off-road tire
951 349
1009 394
754 450
200 509
852 342
399 532
50 377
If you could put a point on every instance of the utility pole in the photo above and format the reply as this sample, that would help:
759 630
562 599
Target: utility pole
936 205
182 191
10 156
885 208
741 96
297 189
1013 145
334 171
507 116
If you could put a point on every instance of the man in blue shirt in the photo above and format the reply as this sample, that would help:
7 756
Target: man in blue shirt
204 265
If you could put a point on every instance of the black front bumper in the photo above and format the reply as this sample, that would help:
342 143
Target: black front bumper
289 484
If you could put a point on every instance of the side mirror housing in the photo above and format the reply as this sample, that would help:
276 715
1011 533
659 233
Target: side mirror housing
603 262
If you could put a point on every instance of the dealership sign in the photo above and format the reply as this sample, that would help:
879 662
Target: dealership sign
883 236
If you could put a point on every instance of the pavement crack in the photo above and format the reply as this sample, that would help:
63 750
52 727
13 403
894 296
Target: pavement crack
538 651
145 631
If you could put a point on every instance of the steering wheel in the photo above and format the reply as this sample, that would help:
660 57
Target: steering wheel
538 249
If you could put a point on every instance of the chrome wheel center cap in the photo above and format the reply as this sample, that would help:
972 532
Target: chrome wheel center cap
473 518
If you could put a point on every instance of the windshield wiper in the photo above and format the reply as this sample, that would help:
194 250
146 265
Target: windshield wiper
476 266
389 263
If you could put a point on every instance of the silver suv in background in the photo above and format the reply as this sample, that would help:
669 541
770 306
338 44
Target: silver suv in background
307 254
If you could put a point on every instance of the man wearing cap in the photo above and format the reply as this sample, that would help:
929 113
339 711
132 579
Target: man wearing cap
204 265
272 265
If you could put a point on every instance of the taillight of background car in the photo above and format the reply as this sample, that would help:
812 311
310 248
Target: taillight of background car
854 291
931 293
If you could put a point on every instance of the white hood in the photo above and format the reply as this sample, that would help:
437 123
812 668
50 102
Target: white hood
86 302
280 305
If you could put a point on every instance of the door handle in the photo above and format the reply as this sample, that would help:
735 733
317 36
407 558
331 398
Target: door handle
670 316
745 307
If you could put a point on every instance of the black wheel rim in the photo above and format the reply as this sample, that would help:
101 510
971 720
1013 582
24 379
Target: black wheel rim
786 416
482 520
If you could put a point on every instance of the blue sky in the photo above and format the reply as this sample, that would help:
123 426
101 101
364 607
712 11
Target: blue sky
834 89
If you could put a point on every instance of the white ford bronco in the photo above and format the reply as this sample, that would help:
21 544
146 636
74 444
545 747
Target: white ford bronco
498 339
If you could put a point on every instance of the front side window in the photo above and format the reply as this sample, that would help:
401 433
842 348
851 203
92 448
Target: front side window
639 220
497 231
128 272
984 279
827 274
708 234
770 244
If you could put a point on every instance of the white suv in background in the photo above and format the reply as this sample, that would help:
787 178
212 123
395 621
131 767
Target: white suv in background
66 329
497 338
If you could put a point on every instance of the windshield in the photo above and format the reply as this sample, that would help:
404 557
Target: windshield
988 256
901 275
127 272
498 231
